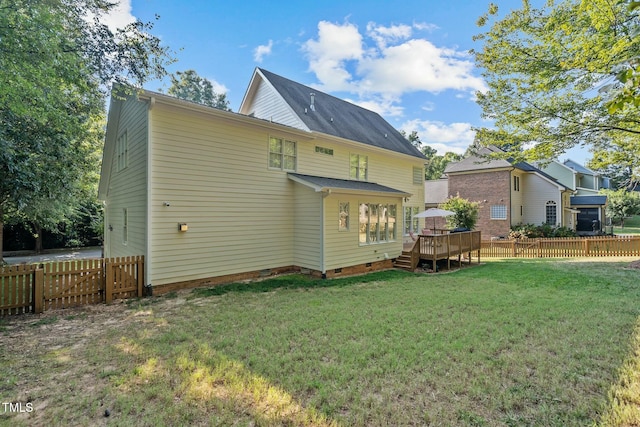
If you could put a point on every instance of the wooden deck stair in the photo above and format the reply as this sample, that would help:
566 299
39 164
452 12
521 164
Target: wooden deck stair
404 261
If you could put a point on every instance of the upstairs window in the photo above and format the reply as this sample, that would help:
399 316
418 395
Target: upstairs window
358 167
418 176
282 154
122 147
516 183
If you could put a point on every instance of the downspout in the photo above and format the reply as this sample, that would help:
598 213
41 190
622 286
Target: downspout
148 258
323 267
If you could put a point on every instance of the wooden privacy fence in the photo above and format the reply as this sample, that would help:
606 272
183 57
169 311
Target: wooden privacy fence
598 246
33 288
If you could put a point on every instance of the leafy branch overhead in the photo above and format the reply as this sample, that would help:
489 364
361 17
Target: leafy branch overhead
57 64
560 76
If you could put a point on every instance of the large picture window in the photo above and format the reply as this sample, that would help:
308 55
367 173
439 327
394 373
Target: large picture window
377 223
282 154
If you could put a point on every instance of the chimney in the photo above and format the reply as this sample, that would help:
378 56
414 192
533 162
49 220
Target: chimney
313 99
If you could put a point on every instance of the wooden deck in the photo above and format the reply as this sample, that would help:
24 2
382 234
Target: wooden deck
440 247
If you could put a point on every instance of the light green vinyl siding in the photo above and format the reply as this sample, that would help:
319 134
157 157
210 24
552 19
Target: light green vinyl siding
342 248
308 228
127 187
216 178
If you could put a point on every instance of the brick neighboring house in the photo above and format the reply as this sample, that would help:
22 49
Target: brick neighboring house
509 193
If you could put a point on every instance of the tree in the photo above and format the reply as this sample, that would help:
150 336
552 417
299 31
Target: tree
436 164
552 74
190 86
621 204
616 163
57 62
466 212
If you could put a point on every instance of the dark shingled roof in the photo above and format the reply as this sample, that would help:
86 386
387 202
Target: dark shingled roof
588 200
320 183
340 118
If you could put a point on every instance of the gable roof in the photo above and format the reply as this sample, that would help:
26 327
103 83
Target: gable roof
478 163
330 115
578 167
320 183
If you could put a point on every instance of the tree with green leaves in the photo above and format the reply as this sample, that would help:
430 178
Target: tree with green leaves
554 74
190 86
57 63
466 212
621 204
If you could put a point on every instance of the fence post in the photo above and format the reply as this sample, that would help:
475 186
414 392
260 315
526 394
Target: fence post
513 248
108 278
38 290
140 273
586 247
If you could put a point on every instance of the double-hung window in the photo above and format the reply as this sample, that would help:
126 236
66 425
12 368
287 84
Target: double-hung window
358 167
122 147
282 154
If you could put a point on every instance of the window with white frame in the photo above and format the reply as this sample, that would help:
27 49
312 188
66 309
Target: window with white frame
499 212
377 223
551 213
516 183
418 176
358 167
411 223
282 154
122 148
125 226
343 216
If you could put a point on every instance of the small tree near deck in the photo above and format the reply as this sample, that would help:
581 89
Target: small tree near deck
466 212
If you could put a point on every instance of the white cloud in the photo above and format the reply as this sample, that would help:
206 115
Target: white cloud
455 137
261 51
119 17
328 55
384 35
391 65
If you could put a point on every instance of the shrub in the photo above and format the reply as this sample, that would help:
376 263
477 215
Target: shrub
466 212
535 231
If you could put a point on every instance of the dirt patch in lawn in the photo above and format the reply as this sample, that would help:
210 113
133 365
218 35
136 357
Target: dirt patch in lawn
635 264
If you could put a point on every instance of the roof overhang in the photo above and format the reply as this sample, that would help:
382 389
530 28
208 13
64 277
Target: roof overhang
326 185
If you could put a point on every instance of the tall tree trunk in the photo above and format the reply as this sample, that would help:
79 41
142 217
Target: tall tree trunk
38 230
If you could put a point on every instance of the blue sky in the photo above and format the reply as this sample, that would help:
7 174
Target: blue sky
406 60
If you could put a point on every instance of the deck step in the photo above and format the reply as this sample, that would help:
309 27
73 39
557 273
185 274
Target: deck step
403 262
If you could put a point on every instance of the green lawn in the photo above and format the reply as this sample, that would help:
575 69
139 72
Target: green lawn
631 226
507 343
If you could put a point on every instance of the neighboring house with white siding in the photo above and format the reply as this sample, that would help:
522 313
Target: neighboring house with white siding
586 200
296 180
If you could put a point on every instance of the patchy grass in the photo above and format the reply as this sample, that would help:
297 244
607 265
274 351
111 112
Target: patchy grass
508 343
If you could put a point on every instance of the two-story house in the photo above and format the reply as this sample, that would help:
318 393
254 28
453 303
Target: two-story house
586 201
508 193
297 180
